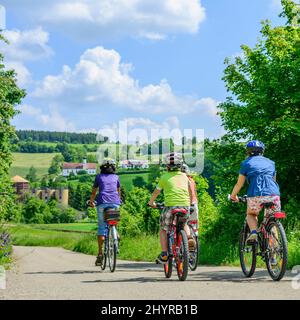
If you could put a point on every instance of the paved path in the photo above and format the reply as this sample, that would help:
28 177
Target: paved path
54 273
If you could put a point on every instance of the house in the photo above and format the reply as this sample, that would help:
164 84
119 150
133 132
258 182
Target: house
68 168
134 164
21 185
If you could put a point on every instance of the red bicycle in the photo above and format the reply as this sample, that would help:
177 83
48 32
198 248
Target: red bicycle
178 249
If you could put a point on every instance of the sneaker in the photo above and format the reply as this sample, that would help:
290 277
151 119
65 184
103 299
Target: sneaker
252 238
162 258
192 244
99 260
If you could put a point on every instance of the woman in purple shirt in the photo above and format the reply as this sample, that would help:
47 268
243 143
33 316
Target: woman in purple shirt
108 184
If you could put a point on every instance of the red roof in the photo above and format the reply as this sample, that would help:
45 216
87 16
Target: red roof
80 166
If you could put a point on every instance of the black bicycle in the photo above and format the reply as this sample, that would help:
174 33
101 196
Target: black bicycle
271 246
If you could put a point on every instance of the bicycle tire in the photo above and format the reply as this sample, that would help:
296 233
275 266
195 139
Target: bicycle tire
182 259
104 260
168 267
248 272
193 264
279 276
112 250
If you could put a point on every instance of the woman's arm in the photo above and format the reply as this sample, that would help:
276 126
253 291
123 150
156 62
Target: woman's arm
237 188
93 196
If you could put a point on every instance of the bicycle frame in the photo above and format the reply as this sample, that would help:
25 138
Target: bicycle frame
115 234
172 235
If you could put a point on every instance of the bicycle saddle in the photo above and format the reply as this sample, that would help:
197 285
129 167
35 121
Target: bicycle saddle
267 205
179 211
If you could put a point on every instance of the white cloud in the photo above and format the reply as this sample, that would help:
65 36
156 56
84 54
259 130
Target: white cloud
100 78
24 46
49 121
94 18
27 45
207 106
23 74
129 130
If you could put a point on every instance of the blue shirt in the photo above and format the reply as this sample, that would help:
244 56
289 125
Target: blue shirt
260 172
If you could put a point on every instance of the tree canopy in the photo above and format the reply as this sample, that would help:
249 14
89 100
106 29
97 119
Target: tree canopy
264 83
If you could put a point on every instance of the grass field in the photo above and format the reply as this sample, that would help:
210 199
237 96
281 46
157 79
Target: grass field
78 227
126 179
144 248
23 161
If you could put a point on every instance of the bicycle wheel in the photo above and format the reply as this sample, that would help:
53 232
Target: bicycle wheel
103 264
247 253
168 267
112 249
277 250
182 257
194 255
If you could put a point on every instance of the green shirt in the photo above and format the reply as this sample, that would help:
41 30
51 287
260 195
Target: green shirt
175 185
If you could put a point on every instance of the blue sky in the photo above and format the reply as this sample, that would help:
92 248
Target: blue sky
88 64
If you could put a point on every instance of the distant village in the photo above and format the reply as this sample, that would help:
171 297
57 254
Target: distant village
22 186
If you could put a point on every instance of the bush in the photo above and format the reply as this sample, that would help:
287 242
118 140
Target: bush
5 246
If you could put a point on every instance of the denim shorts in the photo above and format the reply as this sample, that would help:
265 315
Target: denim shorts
100 211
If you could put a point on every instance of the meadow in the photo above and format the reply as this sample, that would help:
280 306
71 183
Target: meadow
23 161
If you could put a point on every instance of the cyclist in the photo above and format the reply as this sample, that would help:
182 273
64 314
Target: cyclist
109 196
177 194
194 217
260 173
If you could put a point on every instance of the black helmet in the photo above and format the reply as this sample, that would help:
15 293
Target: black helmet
108 166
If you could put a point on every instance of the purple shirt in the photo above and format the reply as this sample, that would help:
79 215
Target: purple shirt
108 185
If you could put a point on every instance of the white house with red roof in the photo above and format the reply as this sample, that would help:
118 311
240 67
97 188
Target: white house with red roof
69 167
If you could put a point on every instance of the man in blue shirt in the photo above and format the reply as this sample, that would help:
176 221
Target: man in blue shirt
261 175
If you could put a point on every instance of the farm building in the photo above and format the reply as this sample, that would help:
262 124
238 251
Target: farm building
134 164
68 168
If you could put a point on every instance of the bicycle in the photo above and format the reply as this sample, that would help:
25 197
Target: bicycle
271 245
178 249
194 255
111 243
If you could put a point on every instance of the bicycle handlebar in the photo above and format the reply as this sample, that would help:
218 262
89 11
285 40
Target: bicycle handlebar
242 199
88 203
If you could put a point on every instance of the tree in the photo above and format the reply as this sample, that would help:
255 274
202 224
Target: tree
32 176
56 165
265 101
33 210
139 182
10 96
154 174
